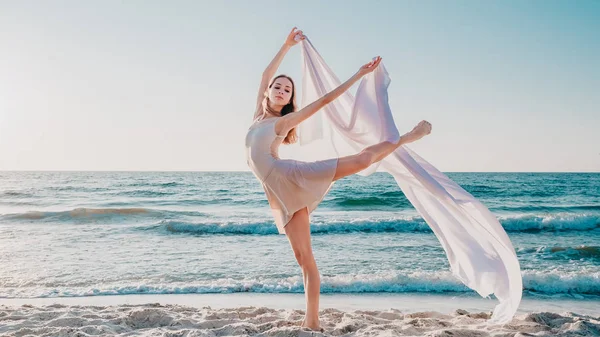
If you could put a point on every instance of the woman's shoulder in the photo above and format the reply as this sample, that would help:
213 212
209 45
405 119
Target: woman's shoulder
261 120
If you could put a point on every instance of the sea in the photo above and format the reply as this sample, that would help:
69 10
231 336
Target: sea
78 234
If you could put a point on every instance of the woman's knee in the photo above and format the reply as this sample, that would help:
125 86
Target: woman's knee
304 256
298 233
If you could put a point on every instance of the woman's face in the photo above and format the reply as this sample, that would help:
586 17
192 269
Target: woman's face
280 92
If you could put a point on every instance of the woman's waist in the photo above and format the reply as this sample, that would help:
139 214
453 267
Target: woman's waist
261 156
261 165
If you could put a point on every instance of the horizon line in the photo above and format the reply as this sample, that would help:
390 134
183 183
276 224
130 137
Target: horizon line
248 171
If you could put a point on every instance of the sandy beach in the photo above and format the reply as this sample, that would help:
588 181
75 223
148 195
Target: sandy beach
212 168
281 314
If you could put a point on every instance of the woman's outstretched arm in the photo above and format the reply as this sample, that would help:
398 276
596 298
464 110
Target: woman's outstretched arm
290 121
273 66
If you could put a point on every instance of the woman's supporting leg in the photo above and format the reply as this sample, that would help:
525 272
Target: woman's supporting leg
298 234
355 163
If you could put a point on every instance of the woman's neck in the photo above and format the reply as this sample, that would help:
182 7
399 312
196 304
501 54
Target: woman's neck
273 110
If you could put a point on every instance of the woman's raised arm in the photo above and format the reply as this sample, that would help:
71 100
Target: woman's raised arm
269 72
291 120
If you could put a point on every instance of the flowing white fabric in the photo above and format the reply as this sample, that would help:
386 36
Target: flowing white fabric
478 249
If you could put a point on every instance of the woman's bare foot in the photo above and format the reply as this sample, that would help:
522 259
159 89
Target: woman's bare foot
421 130
315 326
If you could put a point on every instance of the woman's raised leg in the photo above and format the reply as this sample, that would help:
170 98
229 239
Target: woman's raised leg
355 163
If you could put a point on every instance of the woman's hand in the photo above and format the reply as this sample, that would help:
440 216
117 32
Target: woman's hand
291 39
369 67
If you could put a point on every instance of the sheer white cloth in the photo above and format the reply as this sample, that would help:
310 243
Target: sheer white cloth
478 249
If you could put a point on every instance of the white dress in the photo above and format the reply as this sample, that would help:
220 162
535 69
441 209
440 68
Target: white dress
290 185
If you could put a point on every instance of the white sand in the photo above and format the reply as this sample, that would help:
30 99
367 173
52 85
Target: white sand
274 315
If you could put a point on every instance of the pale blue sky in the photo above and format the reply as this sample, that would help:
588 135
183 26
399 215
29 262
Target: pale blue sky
157 85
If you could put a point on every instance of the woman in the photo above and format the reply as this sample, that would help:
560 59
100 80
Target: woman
295 188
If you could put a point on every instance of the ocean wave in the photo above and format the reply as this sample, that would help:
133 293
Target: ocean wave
534 283
471 187
338 222
548 283
13 193
74 213
268 227
398 202
547 208
143 193
554 222
106 214
531 224
80 189
560 252
156 184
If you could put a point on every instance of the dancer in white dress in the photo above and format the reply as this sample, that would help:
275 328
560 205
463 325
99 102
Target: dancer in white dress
295 188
